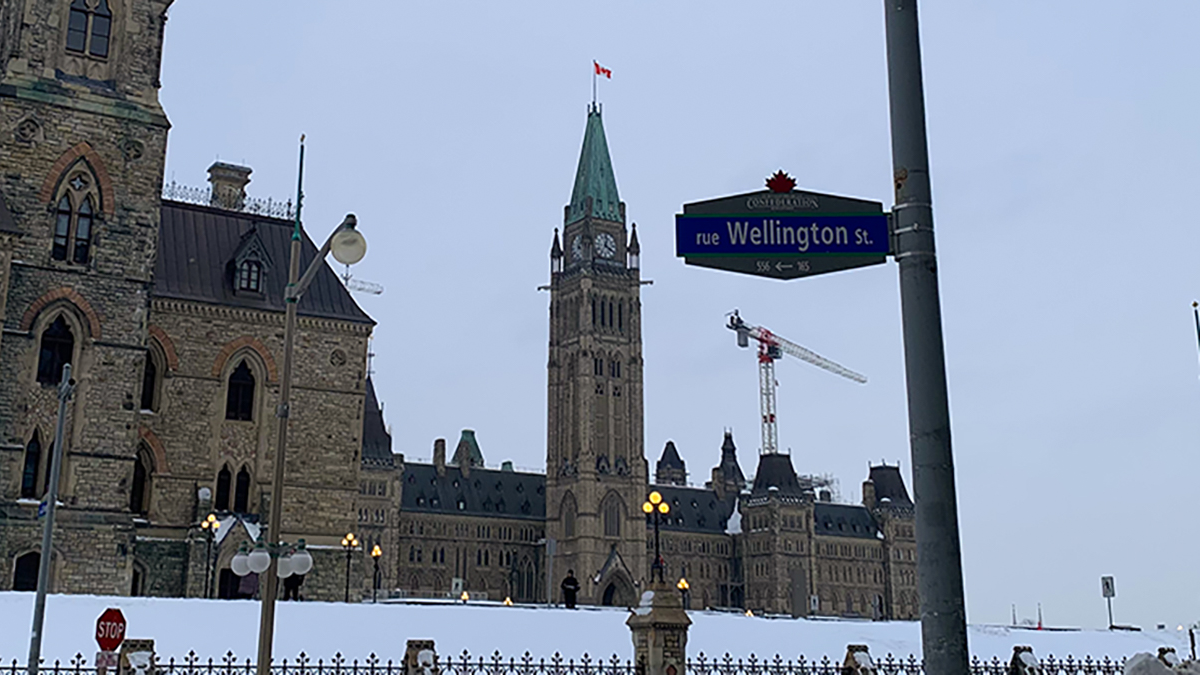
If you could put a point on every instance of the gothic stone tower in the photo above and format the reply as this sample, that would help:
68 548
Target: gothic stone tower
595 461
83 140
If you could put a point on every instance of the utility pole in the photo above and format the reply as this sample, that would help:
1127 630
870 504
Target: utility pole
66 388
939 552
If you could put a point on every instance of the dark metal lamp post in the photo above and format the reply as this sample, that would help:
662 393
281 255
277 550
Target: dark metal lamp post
210 525
685 591
349 543
655 505
348 247
378 577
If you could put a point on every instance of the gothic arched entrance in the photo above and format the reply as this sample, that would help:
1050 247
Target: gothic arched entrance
609 594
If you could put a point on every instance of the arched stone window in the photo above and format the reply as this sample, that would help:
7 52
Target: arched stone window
89 28
568 516
612 516
57 349
31 487
25 572
75 213
224 478
241 493
239 402
139 492
152 377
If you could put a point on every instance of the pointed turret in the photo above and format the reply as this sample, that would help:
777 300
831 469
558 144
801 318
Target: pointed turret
670 469
376 440
727 477
556 254
634 250
595 192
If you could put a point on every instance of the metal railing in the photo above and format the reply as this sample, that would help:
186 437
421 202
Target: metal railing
203 196
496 664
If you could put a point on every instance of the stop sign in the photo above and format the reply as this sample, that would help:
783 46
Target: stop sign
110 629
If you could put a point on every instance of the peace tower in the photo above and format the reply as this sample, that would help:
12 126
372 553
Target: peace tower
595 462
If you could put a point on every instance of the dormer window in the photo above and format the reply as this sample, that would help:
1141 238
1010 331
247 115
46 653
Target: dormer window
250 264
89 28
249 276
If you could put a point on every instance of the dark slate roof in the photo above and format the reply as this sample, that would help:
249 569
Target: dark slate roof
197 243
775 471
890 484
693 510
844 520
6 220
376 441
670 458
487 492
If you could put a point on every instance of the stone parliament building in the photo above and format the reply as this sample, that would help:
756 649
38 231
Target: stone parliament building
168 306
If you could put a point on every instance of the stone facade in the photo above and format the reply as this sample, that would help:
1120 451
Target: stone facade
91 273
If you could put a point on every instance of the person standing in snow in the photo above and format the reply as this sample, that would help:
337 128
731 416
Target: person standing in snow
570 588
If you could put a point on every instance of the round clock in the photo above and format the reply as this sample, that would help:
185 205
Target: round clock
606 245
577 248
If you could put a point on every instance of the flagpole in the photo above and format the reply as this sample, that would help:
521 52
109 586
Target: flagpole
595 68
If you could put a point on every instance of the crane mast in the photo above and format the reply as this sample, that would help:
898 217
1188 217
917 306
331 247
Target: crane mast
771 348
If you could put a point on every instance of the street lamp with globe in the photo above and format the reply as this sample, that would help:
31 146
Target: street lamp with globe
350 544
655 505
348 247
209 525
377 578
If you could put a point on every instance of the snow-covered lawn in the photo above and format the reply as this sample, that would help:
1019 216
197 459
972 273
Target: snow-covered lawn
214 627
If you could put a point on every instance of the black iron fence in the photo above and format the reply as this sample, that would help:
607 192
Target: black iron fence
496 664
204 196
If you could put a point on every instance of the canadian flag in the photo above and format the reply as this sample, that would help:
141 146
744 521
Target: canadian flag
601 70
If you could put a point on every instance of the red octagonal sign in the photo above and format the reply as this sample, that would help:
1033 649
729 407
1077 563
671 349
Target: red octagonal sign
110 629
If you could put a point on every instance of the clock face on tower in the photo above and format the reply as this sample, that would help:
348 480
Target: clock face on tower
606 246
577 248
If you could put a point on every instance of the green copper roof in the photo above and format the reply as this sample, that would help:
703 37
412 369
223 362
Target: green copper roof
594 178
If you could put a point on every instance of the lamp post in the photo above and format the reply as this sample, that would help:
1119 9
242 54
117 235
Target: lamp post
655 505
377 577
66 388
349 543
210 525
348 247
684 590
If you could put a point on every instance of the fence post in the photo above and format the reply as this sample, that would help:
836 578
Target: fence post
660 626
858 661
136 658
1023 661
420 658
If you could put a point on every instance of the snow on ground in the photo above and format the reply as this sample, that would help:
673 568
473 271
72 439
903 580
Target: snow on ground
214 627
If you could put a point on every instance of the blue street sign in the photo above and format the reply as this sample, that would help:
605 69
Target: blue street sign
780 235
41 510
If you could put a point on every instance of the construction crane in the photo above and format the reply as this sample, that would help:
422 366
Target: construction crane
359 285
771 348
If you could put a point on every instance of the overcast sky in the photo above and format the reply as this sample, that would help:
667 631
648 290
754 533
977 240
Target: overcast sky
1063 142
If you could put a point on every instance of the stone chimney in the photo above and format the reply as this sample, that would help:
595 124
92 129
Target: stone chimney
228 182
869 494
439 456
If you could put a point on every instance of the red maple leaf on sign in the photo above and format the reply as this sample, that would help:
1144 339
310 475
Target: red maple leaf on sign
781 182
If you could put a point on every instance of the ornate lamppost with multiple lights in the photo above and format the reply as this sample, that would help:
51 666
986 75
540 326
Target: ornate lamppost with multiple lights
289 559
350 544
377 578
656 506
209 526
